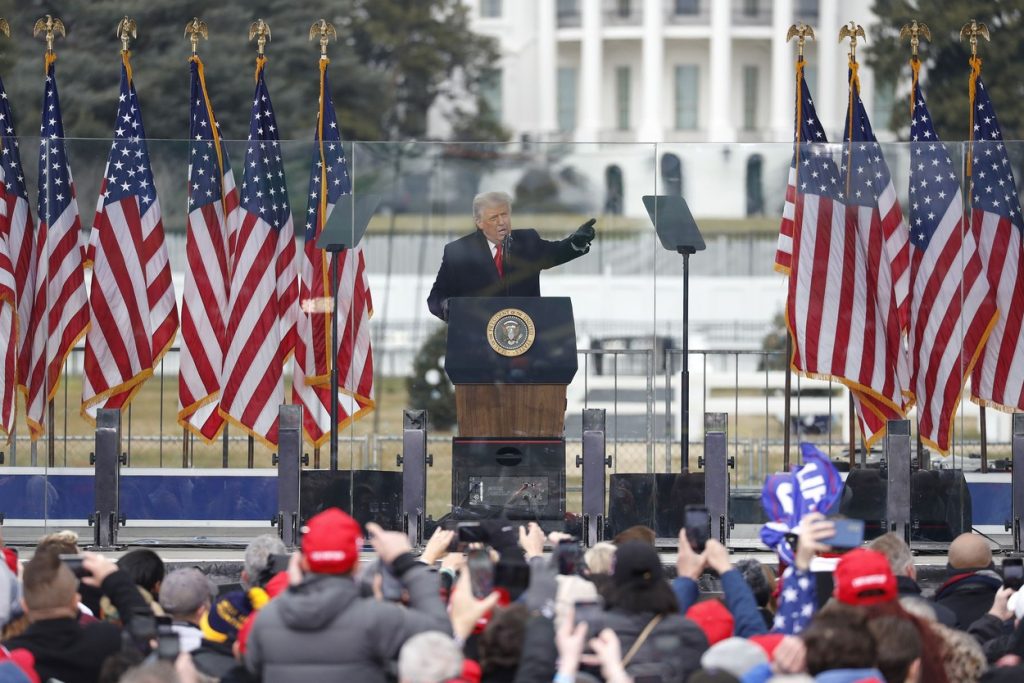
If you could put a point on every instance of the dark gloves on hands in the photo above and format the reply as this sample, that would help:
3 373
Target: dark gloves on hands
584 235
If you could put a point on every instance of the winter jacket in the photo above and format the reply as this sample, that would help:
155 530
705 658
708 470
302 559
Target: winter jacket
969 595
322 630
671 651
73 653
739 600
908 588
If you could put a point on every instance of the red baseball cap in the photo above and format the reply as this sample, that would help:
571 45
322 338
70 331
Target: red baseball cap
863 577
714 619
330 542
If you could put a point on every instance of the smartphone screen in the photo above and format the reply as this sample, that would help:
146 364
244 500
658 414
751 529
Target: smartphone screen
168 645
391 587
1013 572
849 534
697 520
481 572
471 532
568 557
587 610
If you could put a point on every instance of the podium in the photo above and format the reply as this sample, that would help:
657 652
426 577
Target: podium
510 359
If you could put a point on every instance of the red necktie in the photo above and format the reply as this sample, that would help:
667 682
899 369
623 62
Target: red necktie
498 261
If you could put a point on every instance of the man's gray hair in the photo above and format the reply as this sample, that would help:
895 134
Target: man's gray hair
257 557
896 551
429 657
485 199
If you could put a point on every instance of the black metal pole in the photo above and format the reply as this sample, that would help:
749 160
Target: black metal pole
335 253
684 386
787 419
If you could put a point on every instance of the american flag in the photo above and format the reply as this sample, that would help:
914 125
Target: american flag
134 315
998 378
952 307
328 181
832 248
876 362
60 312
16 227
213 210
8 340
263 301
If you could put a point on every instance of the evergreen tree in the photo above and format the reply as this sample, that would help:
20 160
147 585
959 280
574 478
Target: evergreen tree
428 384
944 66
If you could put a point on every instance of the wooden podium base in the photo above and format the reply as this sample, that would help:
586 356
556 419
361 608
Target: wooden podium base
497 410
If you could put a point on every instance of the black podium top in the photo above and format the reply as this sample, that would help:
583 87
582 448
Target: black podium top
472 359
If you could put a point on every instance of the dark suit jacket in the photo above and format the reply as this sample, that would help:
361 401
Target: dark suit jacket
467 268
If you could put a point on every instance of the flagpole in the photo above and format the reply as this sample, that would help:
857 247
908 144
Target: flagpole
801 32
852 31
914 30
972 30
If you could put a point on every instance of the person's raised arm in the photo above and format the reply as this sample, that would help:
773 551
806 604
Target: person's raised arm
739 599
116 585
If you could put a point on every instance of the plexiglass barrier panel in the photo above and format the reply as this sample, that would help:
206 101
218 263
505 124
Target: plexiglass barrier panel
627 299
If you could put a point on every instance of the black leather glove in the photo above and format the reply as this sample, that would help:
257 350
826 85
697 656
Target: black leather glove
584 235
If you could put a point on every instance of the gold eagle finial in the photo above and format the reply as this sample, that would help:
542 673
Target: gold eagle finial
194 30
801 32
126 30
259 30
50 28
914 30
972 30
324 30
853 31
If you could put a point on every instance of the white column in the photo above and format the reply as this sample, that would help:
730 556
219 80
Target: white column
720 82
831 89
588 117
547 68
651 128
782 84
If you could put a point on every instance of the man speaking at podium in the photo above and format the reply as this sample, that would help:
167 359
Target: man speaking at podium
496 260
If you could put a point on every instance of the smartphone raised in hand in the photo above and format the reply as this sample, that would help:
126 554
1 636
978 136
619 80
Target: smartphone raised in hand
849 533
481 572
1013 572
74 563
697 521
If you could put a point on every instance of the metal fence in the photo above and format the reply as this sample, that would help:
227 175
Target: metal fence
639 389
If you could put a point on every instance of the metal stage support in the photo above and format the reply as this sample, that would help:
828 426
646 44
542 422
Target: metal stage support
716 463
897 492
289 460
107 460
1017 482
414 461
593 461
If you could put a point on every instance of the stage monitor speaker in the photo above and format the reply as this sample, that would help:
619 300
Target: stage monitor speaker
512 478
367 495
940 505
657 501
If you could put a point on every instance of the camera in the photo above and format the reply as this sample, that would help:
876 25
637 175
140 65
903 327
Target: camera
74 563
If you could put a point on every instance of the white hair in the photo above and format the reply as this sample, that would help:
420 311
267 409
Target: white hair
485 199
429 657
257 557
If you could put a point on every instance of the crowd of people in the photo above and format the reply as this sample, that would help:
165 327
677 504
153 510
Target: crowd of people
494 605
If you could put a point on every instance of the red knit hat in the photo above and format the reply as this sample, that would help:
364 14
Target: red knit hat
713 618
330 542
10 558
863 577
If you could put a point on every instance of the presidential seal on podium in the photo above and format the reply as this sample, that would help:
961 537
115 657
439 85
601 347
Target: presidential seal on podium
511 332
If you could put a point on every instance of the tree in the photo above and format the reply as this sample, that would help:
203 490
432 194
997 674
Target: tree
944 67
774 344
428 385
392 61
